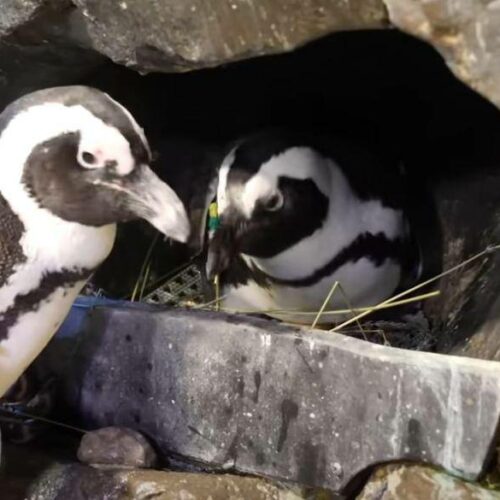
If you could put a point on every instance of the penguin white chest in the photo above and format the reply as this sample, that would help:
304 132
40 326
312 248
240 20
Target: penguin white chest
363 284
32 331
358 250
57 259
51 246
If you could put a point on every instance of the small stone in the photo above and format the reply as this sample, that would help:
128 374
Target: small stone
116 446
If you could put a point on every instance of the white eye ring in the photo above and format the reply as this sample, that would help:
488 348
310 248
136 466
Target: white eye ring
87 159
274 202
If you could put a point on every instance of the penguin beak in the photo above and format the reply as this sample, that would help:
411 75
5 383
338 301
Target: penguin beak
151 199
163 209
160 206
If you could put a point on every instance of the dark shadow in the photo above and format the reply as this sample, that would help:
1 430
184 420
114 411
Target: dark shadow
388 90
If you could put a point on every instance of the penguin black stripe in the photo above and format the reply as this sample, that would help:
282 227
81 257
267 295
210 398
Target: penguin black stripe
377 248
31 301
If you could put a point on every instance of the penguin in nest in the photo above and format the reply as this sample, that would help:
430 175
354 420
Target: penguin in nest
73 163
299 213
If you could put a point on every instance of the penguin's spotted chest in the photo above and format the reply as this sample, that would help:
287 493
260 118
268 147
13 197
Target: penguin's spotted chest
12 256
11 252
73 163
298 214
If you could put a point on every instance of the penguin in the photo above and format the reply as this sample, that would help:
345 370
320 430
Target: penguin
74 162
299 212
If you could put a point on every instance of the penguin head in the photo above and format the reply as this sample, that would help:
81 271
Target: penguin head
80 155
272 194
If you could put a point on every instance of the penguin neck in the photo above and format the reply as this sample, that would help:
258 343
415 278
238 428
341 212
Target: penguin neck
347 217
57 242
57 258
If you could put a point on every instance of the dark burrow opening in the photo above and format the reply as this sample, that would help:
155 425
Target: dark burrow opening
386 90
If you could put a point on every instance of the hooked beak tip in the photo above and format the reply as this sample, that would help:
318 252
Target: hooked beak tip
161 206
176 226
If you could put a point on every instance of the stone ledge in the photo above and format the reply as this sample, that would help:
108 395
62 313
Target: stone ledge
261 398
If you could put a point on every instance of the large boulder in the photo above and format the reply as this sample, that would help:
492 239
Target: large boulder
173 35
415 482
60 40
258 397
42 44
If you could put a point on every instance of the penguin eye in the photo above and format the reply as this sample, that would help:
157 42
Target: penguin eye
274 202
88 158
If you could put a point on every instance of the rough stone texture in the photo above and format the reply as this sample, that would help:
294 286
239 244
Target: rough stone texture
16 13
173 35
465 32
170 35
258 397
414 482
42 44
22 464
80 482
466 314
116 446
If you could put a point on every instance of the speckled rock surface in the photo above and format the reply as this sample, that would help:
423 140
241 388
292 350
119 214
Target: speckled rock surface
414 482
15 13
261 398
170 35
116 446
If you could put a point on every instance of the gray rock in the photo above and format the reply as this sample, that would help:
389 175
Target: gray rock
259 397
405 482
16 13
465 315
42 44
173 35
116 446
466 34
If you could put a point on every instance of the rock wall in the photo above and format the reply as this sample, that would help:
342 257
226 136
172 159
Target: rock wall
60 40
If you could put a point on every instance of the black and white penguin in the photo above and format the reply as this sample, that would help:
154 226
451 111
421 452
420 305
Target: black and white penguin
298 213
73 162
